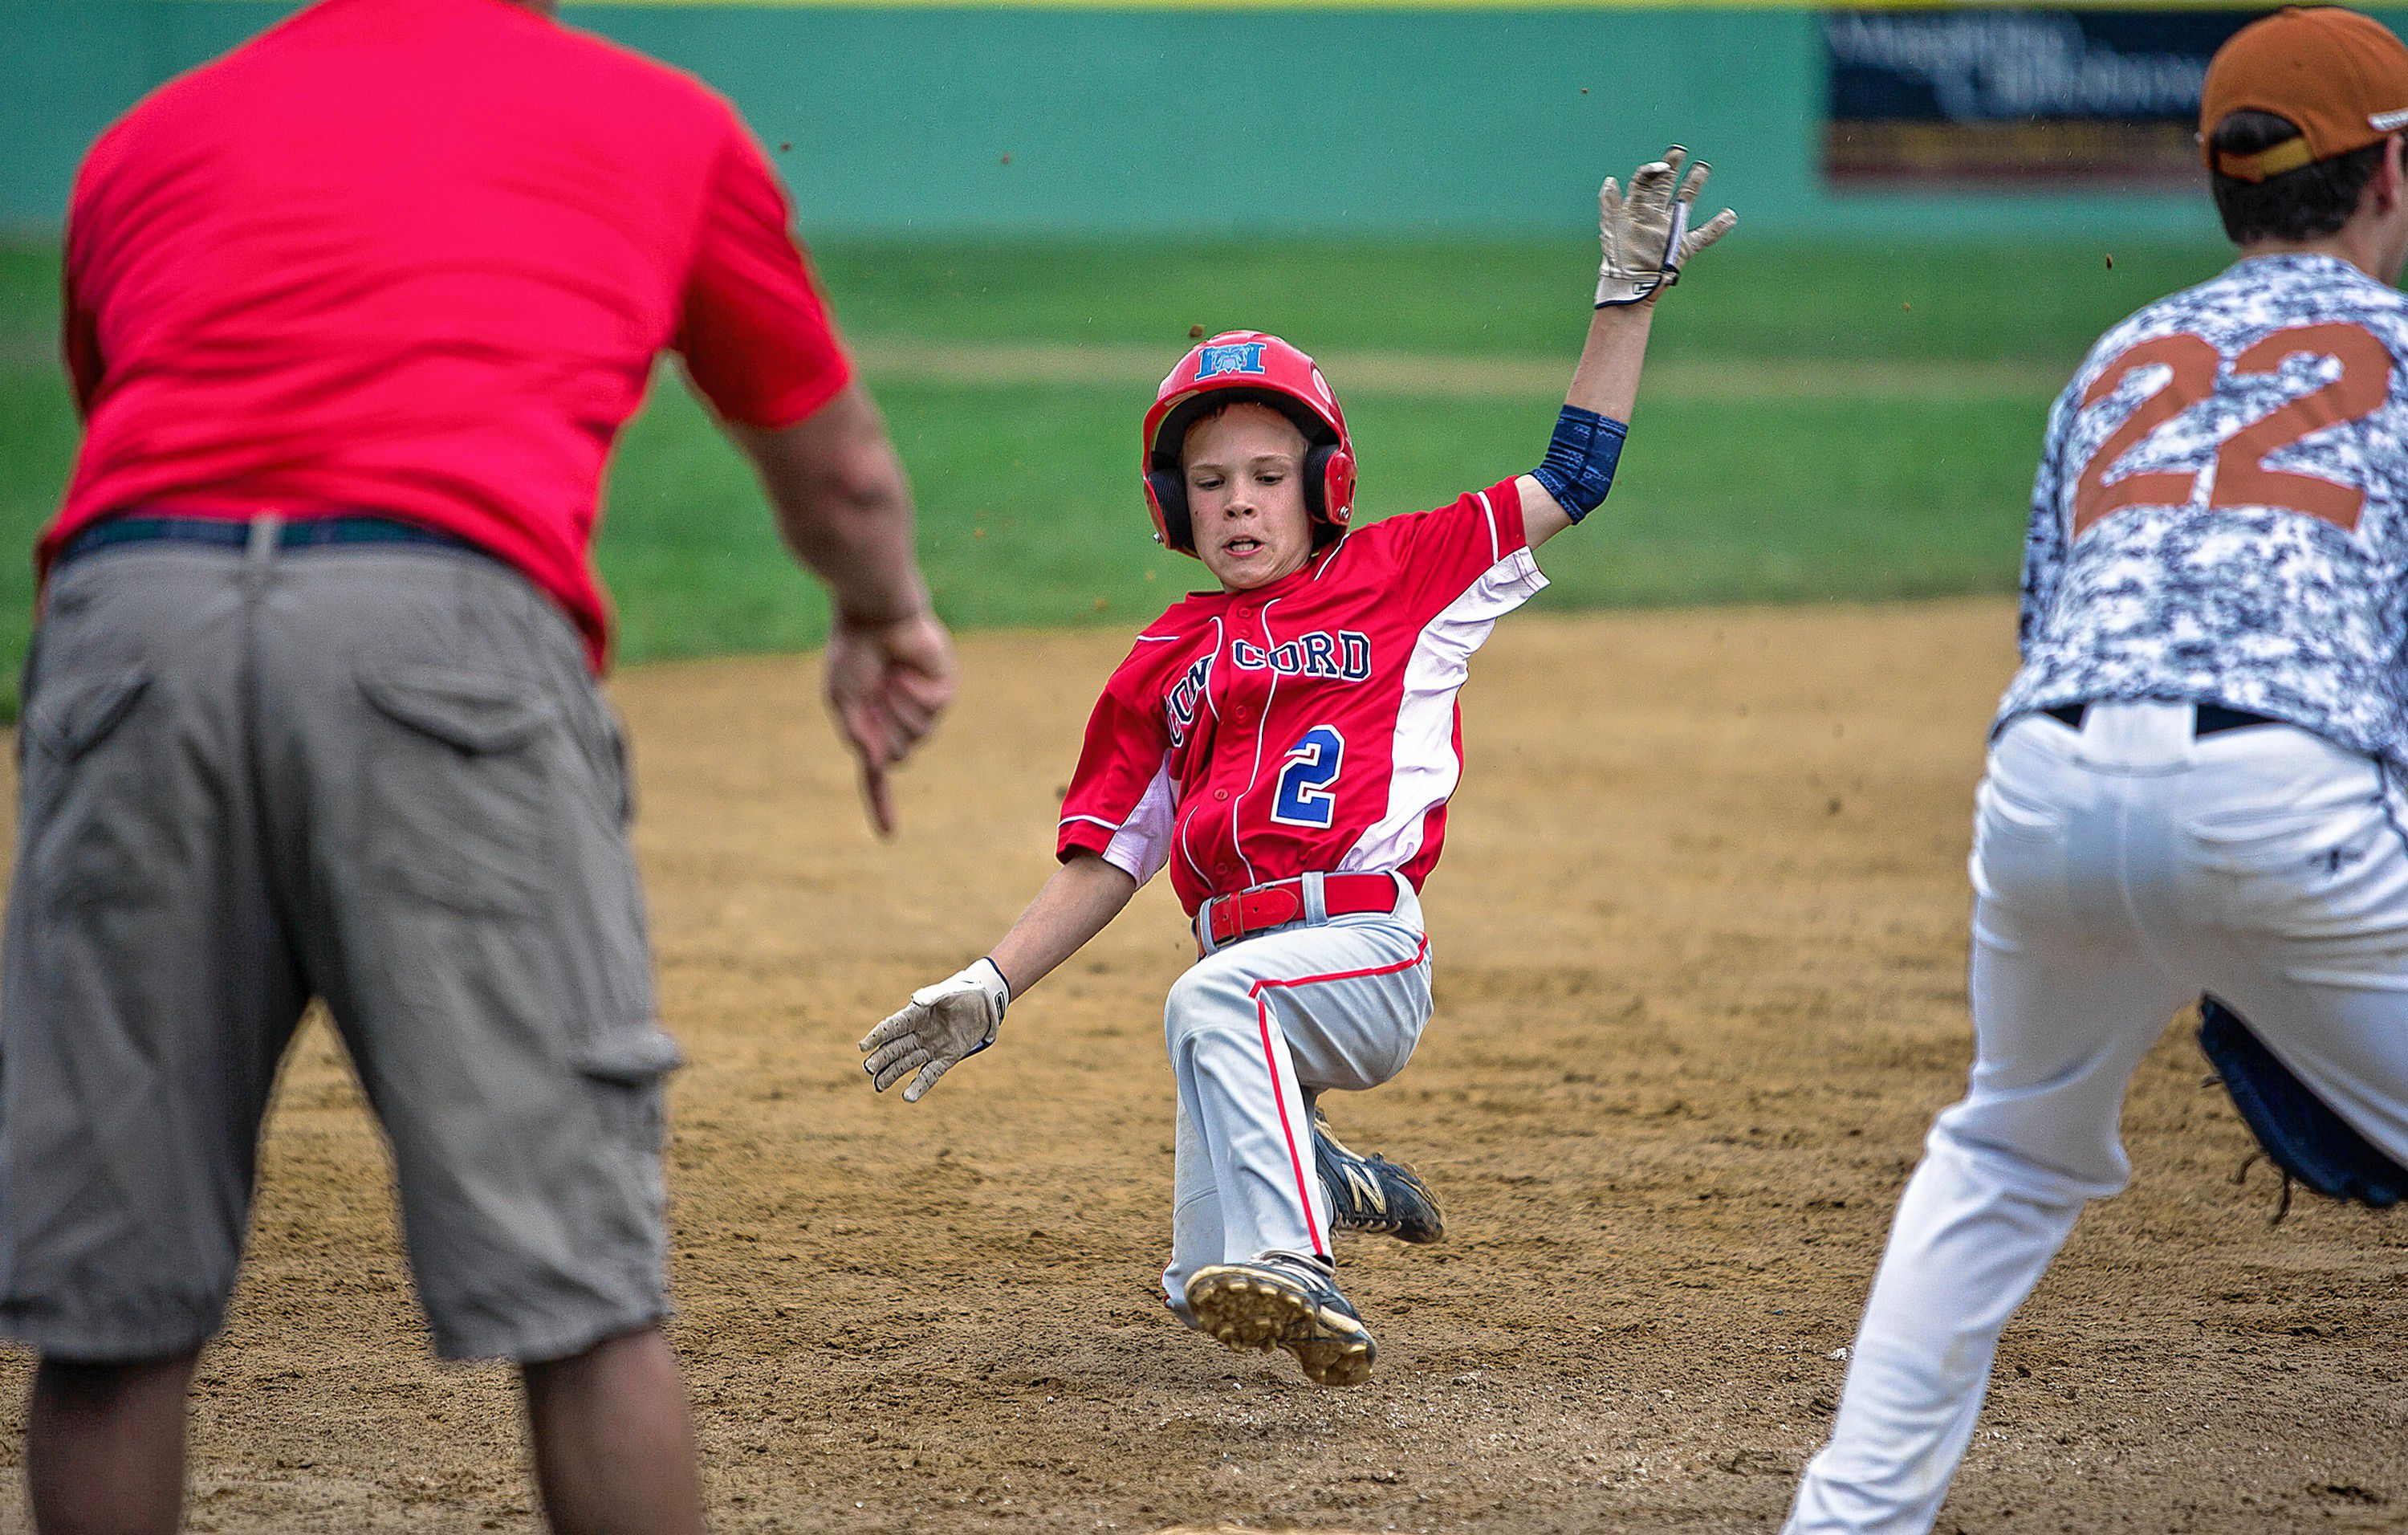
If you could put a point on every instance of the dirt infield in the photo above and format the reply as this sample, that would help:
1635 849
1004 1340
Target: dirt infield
1700 937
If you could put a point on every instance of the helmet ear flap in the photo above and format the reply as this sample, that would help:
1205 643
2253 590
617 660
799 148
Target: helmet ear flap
1169 490
1330 483
1338 486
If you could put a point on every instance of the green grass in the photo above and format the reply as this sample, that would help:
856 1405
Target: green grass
1729 492
1746 299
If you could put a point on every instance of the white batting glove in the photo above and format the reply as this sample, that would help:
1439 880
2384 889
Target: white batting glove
1646 235
944 1026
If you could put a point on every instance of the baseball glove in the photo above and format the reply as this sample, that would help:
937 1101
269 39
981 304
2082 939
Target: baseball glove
1646 233
2307 1141
942 1026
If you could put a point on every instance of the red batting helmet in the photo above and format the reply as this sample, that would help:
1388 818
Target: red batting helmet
1247 366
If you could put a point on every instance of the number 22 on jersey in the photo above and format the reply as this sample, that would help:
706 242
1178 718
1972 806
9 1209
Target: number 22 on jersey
2242 478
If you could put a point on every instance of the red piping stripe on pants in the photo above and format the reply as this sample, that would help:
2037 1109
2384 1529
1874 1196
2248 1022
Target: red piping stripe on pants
1271 1063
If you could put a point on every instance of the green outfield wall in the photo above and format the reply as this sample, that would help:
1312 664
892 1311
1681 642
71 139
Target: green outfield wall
1092 120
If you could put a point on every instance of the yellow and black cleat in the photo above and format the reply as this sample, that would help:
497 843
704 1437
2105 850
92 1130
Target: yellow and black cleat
1372 1193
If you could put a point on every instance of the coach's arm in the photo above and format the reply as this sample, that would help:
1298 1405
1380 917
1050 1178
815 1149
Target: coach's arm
844 507
1646 238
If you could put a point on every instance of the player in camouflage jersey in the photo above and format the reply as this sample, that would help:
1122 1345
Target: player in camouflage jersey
2193 780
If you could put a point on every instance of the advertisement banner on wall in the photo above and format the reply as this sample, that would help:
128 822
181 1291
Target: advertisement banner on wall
1987 99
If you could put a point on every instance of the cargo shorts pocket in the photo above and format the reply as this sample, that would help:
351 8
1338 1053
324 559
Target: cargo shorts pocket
625 1208
460 790
90 802
626 1067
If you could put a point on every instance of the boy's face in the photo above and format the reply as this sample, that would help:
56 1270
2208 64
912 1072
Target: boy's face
1245 497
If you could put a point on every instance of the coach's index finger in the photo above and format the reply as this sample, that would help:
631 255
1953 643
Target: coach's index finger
877 797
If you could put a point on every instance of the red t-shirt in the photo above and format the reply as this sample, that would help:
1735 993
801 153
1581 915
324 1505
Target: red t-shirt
416 257
1305 726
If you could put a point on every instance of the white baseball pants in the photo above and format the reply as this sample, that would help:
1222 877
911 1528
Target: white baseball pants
1254 1026
2118 873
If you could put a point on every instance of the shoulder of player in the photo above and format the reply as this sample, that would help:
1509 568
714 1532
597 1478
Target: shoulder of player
1169 639
168 111
634 83
1404 524
661 91
2175 311
2247 296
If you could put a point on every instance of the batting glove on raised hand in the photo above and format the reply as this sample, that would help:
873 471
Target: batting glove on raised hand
1646 235
944 1026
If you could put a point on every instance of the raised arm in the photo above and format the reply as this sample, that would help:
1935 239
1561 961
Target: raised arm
946 1024
1646 238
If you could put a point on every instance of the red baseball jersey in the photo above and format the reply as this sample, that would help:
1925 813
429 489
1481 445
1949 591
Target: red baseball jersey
1306 726
417 257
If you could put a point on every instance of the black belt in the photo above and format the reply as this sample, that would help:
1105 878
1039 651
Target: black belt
2206 719
346 530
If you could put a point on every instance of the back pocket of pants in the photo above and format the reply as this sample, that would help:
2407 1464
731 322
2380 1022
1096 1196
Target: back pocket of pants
2305 872
91 797
458 787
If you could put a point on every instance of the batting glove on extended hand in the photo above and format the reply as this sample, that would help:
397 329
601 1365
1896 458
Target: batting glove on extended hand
944 1026
1646 235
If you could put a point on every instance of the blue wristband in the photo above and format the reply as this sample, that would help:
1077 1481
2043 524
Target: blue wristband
1581 456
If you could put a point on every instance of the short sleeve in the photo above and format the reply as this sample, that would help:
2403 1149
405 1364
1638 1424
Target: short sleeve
754 330
1120 801
1477 542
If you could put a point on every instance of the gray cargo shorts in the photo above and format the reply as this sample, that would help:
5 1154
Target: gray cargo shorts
381 775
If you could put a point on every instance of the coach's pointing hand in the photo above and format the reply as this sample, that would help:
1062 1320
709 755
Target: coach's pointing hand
943 1025
1646 233
886 685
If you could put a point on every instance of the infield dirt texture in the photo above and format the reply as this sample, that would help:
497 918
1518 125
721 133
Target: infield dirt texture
1699 940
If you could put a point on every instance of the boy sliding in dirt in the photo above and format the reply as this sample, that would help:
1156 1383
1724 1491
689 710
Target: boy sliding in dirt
1286 747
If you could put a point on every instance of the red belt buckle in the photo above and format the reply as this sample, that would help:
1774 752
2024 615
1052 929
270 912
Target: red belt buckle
1251 910
1272 906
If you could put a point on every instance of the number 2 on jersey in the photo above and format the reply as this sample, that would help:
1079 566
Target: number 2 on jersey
1305 798
2242 478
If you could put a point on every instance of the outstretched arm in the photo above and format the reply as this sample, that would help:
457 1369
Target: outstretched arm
1646 238
1078 902
948 1022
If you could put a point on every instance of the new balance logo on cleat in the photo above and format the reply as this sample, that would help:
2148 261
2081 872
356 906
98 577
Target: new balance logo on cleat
1363 1190
1372 1194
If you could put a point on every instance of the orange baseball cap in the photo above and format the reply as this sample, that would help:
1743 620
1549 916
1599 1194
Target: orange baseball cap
2341 76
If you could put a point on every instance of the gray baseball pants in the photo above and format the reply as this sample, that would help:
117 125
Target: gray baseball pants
1253 1027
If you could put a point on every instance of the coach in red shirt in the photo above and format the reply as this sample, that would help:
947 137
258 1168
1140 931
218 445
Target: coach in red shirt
353 316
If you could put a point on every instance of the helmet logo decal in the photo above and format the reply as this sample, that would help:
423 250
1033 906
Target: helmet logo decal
1243 357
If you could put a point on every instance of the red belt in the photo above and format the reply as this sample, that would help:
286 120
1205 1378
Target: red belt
1229 918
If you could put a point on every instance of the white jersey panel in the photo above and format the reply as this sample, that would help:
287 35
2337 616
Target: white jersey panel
1141 844
1424 766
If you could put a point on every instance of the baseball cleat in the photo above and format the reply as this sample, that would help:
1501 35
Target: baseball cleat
1372 1193
1269 1304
